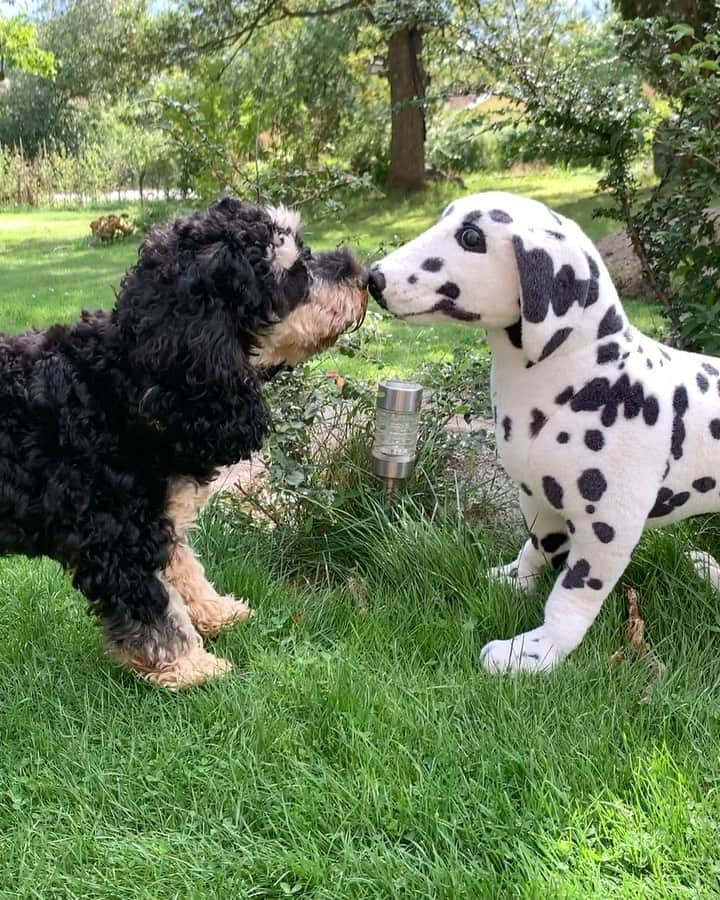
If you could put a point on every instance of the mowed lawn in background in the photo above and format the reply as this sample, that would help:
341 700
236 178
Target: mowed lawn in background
50 269
357 750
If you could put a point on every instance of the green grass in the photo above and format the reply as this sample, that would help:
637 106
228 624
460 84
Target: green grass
357 751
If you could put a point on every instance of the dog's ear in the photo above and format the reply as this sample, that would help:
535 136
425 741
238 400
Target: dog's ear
201 398
558 281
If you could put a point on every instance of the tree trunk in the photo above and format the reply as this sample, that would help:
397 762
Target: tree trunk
407 100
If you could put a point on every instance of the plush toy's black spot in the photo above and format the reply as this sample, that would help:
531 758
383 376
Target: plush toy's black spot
498 215
432 264
598 393
640 349
703 485
553 491
514 333
592 484
553 541
594 584
559 560
715 429
570 526
536 422
610 323
447 306
412 279
594 440
680 406
560 336
555 234
534 540
507 427
575 576
494 414
651 410
555 216
664 353
525 489
542 288
666 501
627 334
667 470
472 216
608 353
621 366
563 437
604 532
449 289
711 370
565 395
649 363
677 438
593 288
702 382
589 509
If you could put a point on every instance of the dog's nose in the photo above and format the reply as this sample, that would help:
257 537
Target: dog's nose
376 286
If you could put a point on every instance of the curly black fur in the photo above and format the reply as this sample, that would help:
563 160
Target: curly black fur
98 418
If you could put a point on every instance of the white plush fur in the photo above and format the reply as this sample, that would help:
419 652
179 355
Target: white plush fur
605 431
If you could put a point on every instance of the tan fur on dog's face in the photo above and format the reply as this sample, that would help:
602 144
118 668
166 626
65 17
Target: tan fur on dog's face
337 299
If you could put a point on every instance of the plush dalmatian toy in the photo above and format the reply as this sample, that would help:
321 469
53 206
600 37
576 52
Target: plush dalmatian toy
605 431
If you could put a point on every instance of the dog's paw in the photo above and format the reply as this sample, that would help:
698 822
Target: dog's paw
213 616
529 652
508 574
706 566
193 667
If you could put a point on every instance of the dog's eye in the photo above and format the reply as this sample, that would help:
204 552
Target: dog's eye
471 239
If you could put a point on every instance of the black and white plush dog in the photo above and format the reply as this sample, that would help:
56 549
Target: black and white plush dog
111 429
605 431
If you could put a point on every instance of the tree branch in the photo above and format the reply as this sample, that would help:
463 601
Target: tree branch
272 12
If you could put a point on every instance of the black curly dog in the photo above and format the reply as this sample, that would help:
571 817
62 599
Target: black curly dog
111 428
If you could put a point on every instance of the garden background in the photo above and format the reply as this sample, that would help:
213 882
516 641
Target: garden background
358 750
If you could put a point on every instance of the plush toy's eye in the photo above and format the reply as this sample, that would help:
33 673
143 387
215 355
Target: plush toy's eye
472 239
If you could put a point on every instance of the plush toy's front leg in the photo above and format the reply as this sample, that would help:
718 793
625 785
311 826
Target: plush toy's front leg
547 545
597 559
706 566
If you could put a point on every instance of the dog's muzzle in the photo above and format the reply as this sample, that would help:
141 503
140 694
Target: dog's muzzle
376 286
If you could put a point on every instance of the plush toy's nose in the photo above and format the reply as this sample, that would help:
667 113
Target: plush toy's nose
376 286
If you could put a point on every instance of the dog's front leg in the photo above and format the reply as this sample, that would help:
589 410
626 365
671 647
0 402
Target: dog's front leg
598 556
209 611
146 625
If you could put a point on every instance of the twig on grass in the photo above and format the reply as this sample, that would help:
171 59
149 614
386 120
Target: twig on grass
638 645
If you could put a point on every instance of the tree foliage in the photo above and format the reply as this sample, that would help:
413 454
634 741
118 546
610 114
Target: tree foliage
20 51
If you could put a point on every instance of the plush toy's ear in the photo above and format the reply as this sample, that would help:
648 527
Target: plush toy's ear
558 281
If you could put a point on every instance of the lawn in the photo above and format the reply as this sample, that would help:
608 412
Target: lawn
357 751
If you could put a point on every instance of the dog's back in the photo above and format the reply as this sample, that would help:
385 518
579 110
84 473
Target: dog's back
55 409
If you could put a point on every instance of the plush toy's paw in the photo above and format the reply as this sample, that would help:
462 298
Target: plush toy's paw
509 575
706 566
529 652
